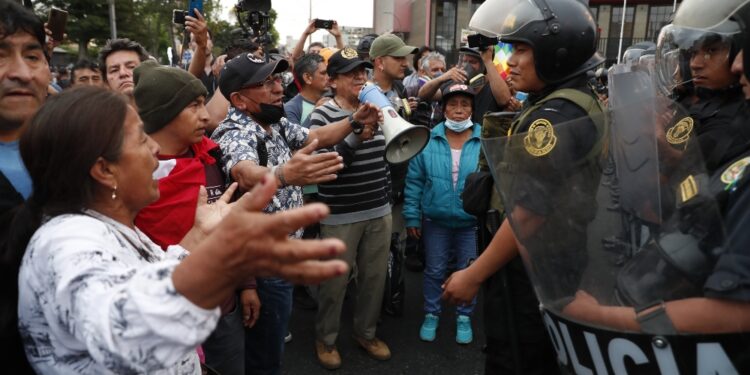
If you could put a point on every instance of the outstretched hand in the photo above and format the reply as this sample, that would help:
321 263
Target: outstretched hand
248 241
306 168
208 215
261 244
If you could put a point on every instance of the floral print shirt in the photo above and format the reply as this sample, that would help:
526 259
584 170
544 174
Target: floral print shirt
96 297
238 136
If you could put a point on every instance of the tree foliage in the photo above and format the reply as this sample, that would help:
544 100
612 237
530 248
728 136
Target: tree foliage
148 22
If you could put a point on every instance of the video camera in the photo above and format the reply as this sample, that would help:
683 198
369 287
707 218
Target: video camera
481 42
253 14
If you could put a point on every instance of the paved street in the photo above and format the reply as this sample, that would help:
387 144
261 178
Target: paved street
410 355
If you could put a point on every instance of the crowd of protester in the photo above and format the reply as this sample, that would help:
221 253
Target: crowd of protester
155 217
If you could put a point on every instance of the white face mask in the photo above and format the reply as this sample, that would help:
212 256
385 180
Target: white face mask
458 126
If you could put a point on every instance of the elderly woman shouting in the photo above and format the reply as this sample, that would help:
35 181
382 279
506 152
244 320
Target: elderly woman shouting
433 209
95 294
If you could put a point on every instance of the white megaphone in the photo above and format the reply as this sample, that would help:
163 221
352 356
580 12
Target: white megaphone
403 140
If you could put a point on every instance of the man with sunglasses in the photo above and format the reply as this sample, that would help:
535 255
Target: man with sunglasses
255 137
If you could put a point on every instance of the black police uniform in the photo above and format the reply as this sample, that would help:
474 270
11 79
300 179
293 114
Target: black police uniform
511 296
516 339
730 278
720 124
544 187
713 263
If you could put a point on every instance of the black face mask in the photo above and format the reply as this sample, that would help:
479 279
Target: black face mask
269 114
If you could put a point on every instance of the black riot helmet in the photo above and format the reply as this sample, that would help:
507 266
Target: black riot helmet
562 34
716 15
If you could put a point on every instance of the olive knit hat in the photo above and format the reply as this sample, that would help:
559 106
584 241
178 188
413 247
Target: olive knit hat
162 92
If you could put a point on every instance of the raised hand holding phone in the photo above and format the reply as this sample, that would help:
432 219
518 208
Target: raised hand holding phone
56 22
195 4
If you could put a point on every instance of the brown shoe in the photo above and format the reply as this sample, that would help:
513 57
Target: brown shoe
376 348
328 356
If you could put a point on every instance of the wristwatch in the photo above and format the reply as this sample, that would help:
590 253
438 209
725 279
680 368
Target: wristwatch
357 127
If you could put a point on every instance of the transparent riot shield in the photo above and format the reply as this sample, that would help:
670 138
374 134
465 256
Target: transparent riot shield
619 230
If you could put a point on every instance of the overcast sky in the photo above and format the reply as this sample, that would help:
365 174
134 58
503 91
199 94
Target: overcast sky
294 14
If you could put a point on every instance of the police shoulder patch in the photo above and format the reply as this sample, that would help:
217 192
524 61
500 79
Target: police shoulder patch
680 132
348 53
540 139
735 171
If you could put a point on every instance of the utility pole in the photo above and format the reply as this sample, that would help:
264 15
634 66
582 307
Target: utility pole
622 28
112 22
309 19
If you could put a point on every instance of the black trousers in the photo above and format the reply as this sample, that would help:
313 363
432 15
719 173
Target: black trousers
517 341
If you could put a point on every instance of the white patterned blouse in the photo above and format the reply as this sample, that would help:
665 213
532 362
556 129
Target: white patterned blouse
96 297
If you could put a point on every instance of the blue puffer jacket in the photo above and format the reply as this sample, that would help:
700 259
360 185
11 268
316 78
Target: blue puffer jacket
429 185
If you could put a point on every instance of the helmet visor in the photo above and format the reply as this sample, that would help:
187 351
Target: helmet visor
520 14
706 14
679 47
501 17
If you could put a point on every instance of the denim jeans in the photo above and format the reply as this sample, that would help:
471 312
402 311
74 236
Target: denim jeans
440 244
264 343
225 348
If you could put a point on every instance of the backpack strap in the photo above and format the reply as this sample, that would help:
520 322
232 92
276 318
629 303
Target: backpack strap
263 151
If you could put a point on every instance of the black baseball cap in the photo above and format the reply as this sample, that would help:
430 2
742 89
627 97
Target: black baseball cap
364 44
344 61
451 89
471 51
247 69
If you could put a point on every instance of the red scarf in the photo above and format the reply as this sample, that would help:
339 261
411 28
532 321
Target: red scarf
167 220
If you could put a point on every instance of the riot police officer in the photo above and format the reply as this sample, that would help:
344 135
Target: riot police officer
717 300
554 46
715 105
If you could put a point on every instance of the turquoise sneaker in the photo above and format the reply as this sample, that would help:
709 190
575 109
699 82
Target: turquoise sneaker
464 334
429 328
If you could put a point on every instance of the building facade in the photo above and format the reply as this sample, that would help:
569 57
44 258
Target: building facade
642 21
443 24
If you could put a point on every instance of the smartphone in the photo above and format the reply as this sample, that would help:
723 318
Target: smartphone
178 16
195 4
56 23
323 24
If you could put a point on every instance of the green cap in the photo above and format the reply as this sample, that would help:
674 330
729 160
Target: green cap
390 45
162 92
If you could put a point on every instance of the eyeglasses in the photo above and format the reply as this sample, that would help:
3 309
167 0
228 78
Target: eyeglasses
268 82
